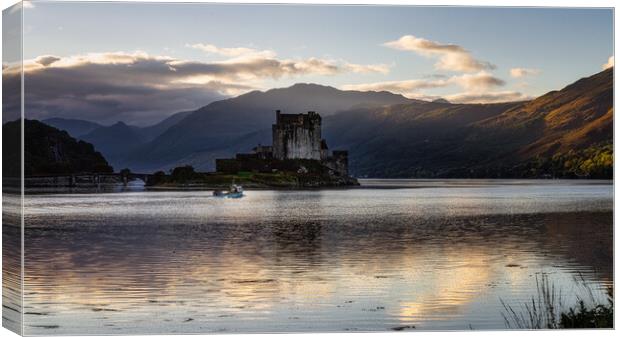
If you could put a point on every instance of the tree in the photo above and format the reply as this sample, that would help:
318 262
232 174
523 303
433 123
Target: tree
183 173
125 172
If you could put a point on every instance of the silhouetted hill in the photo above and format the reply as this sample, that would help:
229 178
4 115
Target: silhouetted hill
151 132
413 140
48 150
564 133
75 127
115 141
223 127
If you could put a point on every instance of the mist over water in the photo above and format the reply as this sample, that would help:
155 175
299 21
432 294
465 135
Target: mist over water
434 255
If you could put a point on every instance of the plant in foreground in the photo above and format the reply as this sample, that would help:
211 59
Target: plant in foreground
546 310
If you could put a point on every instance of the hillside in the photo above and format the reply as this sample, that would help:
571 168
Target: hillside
557 134
115 141
151 132
118 140
237 124
49 151
572 118
75 127
414 140
564 133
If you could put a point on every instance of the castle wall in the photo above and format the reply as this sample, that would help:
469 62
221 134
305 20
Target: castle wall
302 143
296 144
297 136
338 162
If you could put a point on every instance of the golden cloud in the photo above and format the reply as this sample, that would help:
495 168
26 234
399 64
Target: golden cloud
450 56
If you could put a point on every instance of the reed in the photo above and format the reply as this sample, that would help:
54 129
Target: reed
547 311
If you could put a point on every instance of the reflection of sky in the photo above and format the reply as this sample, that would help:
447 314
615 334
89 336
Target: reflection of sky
11 257
295 261
363 205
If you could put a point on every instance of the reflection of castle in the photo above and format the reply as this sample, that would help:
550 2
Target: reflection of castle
295 137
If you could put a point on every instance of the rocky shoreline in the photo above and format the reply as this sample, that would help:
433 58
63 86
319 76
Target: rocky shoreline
253 181
198 181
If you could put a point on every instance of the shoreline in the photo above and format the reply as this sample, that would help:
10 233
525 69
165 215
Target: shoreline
368 184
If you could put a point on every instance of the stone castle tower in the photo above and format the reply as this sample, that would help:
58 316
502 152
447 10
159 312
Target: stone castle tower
297 136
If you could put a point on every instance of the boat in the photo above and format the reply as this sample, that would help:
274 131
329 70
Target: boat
235 191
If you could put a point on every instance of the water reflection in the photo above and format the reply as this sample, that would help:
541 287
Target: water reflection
11 260
299 261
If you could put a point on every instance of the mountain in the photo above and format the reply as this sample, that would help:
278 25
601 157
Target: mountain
303 97
572 118
48 150
411 140
75 127
151 132
115 141
238 124
563 133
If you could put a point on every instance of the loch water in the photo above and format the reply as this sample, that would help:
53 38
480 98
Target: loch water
390 255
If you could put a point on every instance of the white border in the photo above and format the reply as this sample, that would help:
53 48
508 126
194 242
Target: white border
485 3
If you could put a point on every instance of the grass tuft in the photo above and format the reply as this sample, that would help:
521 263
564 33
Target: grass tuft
546 310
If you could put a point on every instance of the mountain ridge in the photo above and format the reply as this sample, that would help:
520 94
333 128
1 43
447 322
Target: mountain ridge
75 127
214 127
389 135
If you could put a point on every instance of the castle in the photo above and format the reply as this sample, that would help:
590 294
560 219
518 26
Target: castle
296 140
297 136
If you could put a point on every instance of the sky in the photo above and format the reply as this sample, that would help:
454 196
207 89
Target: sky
141 62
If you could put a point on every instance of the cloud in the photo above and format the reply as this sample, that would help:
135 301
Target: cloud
232 52
487 97
450 56
46 60
523 72
471 82
478 88
609 64
477 82
266 61
140 88
400 87
240 69
369 68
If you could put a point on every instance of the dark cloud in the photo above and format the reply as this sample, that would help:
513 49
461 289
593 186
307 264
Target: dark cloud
47 60
142 89
108 93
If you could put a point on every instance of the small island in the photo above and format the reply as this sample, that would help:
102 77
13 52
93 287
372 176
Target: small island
298 158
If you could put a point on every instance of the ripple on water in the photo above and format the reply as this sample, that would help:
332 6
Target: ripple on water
366 259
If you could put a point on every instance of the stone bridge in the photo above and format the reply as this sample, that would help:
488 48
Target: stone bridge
86 179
